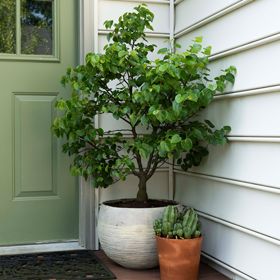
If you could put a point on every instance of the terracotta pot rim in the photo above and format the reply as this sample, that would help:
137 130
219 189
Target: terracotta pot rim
174 239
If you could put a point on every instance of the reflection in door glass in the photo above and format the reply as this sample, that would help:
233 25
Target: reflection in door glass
36 27
7 26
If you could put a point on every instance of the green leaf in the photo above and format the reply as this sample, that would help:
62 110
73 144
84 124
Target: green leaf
198 39
177 46
207 50
94 59
227 129
180 98
230 78
156 88
210 124
176 138
195 48
163 51
186 144
122 53
212 87
197 133
165 146
133 119
192 96
145 150
160 115
163 67
60 104
232 69
108 24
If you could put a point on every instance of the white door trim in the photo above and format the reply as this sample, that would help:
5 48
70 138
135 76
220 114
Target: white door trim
88 197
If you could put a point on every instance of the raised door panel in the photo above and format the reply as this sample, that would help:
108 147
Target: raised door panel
35 149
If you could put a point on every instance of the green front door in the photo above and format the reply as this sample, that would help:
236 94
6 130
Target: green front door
38 197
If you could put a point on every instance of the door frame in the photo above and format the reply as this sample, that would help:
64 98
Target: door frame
89 198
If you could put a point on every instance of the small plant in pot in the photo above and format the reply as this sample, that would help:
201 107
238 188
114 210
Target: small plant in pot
156 103
178 236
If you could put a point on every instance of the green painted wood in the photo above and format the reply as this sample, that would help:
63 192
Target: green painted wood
38 196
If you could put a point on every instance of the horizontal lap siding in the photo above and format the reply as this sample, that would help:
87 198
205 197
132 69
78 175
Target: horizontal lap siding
197 10
248 23
112 9
257 67
252 110
239 183
252 256
232 202
254 162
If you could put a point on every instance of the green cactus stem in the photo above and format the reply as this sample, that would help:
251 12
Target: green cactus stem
178 225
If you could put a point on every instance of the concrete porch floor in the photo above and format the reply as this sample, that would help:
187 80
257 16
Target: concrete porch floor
206 272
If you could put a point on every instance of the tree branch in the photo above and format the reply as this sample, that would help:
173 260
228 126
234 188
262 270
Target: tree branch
155 165
138 156
116 130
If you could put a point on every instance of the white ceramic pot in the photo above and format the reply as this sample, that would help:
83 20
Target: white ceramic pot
127 237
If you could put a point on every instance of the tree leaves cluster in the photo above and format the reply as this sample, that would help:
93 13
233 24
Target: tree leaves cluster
163 96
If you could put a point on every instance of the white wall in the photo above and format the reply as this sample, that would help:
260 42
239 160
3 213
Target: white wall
237 188
112 9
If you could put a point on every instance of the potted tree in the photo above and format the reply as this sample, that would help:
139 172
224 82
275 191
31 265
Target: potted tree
157 102
178 236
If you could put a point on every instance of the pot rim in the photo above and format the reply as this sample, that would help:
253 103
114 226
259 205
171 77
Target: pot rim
105 203
175 240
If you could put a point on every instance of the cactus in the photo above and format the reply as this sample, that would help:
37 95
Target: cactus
169 218
170 214
158 227
183 225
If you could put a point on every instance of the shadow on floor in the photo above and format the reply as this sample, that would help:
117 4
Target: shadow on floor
206 272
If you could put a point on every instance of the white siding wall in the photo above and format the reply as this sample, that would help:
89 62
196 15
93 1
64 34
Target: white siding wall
237 188
112 9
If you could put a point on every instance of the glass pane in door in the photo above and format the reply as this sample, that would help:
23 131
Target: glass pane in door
37 27
7 26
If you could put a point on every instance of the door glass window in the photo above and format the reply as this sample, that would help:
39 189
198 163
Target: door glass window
27 27
36 27
8 26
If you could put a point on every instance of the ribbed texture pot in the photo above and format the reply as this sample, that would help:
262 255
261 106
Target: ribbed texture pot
179 258
127 237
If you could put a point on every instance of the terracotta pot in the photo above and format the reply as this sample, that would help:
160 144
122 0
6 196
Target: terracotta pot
179 258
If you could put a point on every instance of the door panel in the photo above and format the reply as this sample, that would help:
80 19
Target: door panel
38 197
33 142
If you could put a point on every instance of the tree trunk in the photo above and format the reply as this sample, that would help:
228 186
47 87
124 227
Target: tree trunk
142 190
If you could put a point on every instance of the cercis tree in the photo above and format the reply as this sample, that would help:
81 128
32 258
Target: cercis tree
157 101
